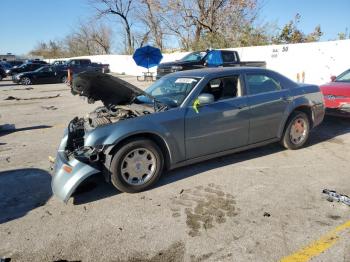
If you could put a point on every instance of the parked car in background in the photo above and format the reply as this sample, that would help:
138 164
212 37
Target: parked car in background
27 67
43 75
36 61
2 72
184 117
59 62
337 95
202 59
79 65
15 63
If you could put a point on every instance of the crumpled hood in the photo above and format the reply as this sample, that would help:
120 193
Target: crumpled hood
111 90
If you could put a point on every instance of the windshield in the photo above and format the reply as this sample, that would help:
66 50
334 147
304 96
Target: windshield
194 57
344 77
171 91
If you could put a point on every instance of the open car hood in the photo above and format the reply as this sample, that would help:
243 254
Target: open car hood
109 89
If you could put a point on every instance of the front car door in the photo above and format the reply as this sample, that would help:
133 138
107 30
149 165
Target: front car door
220 125
268 101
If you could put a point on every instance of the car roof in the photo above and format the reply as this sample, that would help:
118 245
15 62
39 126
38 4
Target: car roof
217 71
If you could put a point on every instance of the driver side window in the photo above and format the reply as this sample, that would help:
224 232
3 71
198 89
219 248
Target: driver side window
224 88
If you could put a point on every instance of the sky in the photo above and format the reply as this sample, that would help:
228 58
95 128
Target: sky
24 23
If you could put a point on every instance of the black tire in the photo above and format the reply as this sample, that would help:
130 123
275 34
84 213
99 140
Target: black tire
118 178
296 118
64 79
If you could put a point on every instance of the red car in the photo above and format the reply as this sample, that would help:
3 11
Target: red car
337 95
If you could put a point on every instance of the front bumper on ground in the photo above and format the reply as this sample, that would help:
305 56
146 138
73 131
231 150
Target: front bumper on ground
63 182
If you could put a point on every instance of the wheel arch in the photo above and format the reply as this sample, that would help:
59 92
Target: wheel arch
156 138
301 108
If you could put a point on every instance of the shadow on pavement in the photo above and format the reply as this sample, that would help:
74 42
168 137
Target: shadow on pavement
93 189
330 128
8 129
21 191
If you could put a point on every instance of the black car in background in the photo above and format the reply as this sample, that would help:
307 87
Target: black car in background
16 63
2 72
27 67
43 75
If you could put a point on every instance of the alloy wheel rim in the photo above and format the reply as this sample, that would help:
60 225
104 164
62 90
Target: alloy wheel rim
298 131
26 81
138 166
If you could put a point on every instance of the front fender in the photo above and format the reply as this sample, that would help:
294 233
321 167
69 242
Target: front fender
64 183
169 126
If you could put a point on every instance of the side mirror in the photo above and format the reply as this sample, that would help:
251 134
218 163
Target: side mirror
333 78
205 99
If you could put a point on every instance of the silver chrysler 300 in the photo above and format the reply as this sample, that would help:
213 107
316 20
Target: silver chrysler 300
184 117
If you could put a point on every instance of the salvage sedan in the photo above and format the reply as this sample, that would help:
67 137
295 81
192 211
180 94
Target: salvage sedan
337 95
183 118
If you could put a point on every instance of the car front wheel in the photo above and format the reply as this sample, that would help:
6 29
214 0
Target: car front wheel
64 80
297 131
26 81
136 166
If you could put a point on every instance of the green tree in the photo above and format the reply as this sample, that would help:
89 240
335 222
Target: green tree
291 34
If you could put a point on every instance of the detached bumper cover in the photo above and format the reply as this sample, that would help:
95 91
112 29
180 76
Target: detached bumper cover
63 183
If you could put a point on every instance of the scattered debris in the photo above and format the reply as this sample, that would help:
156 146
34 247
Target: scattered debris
143 197
121 229
181 191
267 214
7 127
334 196
48 212
85 208
8 159
31 98
19 89
49 107
10 98
51 159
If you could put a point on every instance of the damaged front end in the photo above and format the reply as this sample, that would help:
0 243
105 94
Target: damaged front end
75 161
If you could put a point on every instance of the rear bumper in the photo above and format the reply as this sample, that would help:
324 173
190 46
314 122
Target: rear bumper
64 183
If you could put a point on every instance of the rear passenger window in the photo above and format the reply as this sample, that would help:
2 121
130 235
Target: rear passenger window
258 83
224 88
228 57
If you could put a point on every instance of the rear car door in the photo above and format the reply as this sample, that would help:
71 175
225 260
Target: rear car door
221 125
268 101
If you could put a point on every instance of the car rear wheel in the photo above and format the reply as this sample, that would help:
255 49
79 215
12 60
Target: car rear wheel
297 131
26 81
136 166
64 79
